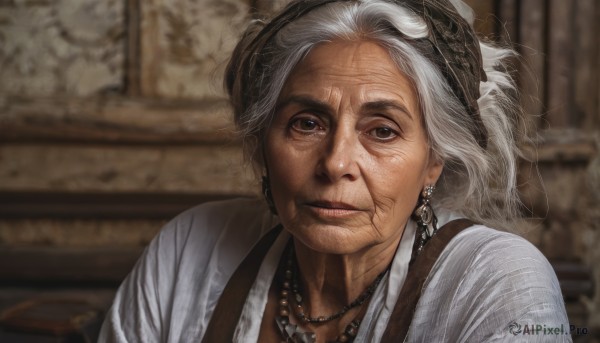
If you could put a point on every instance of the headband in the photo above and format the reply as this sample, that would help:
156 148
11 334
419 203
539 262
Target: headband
452 46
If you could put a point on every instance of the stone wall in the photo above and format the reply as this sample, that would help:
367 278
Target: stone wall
106 104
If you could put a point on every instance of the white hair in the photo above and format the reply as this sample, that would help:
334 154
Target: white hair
479 183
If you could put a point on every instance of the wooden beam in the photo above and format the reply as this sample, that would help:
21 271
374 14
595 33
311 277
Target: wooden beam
576 280
201 169
570 146
115 120
62 205
39 266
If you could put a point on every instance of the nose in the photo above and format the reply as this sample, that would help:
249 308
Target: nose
339 156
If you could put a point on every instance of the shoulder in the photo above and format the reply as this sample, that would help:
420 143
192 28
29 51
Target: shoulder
481 254
486 279
220 214
479 243
210 240
169 294
206 224
489 254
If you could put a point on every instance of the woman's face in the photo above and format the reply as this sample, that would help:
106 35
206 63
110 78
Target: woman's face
347 154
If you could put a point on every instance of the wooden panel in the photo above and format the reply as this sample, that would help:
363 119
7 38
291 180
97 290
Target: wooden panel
586 72
531 76
560 64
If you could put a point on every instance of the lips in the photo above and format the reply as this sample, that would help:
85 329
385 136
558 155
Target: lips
332 205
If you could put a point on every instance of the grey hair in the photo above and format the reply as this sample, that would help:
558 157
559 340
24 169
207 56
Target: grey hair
479 183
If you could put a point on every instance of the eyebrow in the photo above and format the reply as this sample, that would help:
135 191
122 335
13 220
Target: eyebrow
306 101
383 105
323 107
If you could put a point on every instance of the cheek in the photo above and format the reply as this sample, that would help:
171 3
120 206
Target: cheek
395 183
288 168
285 178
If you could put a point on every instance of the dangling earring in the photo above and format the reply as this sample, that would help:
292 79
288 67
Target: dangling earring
266 191
426 219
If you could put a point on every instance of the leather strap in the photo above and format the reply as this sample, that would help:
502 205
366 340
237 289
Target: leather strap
403 313
231 302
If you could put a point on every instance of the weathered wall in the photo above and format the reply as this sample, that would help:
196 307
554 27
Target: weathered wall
51 48
119 97
185 44
124 97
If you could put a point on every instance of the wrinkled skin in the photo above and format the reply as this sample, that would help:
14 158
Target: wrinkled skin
347 156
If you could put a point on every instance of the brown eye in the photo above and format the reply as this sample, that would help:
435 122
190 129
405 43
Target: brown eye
383 133
305 125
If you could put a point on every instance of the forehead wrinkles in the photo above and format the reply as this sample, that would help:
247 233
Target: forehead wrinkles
347 64
334 74
355 59
357 70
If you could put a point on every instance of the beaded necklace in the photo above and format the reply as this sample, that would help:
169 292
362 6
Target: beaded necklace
291 332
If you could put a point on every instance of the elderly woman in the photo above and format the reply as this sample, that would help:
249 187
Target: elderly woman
387 141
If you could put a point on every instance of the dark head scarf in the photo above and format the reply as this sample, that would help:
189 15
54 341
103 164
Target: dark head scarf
452 46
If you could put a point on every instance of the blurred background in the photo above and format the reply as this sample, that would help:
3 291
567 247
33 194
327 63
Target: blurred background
113 120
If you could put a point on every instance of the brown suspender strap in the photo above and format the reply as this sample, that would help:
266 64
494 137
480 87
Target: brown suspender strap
403 313
231 302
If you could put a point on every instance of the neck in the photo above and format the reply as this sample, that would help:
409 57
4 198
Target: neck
330 282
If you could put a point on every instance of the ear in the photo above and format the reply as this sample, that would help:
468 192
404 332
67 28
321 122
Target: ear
433 170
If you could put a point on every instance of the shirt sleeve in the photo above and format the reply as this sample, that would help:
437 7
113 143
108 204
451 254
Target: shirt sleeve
491 286
171 292
138 308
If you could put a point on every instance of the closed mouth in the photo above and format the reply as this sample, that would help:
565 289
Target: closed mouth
332 205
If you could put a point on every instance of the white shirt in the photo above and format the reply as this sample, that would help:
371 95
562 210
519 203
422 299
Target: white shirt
485 284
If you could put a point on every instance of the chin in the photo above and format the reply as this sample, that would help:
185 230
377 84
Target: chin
331 239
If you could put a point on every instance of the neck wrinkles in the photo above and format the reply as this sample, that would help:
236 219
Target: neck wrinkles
330 282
